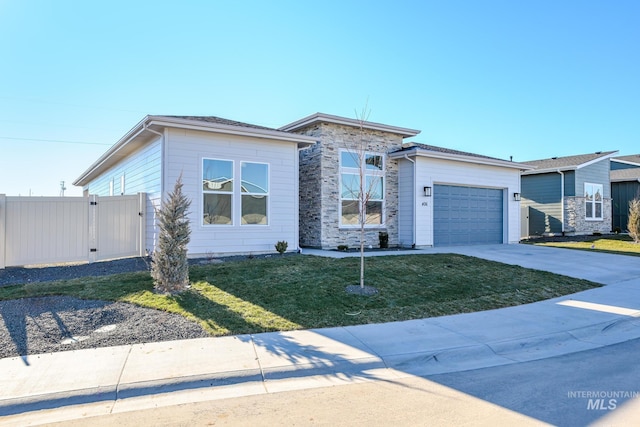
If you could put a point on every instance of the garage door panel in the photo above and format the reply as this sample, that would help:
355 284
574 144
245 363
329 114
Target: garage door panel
467 215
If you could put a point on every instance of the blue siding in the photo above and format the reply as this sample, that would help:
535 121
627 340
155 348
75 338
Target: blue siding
618 166
541 193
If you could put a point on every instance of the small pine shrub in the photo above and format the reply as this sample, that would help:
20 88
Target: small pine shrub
170 265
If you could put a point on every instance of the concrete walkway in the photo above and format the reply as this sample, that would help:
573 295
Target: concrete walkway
121 378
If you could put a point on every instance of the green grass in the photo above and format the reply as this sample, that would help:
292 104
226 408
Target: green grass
616 244
301 292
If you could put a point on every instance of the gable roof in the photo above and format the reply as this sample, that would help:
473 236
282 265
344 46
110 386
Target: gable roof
413 149
328 118
622 175
568 162
633 159
152 125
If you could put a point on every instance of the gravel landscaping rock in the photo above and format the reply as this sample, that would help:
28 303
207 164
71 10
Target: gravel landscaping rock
59 323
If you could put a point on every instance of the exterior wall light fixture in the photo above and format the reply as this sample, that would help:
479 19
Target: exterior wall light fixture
427 191
516 197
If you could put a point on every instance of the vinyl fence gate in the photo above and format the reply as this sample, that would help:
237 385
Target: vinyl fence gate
52 230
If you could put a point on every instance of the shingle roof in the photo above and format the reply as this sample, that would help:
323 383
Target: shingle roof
411 145
634 158
632 174
567 162
219 120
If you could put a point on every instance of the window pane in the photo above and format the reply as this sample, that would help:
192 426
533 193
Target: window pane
350 212
589 210
255 178
373 162
374 187
217 175
349 159
598 210
374 213
350 186
217 208
598 195
254 210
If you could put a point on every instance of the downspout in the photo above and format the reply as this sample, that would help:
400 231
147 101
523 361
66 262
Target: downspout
413 211
561 198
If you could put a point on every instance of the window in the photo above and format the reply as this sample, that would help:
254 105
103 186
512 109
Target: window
353 168
593 200
217 189
255 193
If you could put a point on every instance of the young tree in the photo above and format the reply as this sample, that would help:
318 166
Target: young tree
634 219
170 266
362 188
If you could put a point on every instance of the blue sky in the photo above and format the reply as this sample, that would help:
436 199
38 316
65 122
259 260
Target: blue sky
528 79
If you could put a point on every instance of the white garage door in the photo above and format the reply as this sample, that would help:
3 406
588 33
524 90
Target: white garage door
467 215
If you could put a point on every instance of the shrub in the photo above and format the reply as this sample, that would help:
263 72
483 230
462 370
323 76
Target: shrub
634 220
343 248
281 246
169 265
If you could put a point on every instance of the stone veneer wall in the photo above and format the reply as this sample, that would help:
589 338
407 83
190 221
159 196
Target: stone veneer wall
320 186
575 222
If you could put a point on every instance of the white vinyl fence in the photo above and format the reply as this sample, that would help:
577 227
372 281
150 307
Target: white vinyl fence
50 230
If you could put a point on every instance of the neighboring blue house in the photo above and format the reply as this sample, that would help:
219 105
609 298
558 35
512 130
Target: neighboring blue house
567 195
625 186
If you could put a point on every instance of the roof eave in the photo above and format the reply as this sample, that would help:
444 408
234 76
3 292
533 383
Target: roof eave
417 152
328 118
302 140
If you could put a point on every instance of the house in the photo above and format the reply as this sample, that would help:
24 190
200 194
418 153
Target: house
242 179
625 186
470 197
251 186
567 195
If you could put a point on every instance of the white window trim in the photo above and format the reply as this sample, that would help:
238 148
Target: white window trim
267 195
367 172
232 193
601 202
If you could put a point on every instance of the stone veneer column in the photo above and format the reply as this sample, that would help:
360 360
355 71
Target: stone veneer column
320 190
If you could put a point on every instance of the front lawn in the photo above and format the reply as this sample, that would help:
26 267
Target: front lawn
620 244
302 292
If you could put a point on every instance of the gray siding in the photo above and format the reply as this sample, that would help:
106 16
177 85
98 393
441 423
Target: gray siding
406 200
597 173
569 183
622 193
541 193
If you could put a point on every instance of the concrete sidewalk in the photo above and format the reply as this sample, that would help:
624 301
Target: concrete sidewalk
125 377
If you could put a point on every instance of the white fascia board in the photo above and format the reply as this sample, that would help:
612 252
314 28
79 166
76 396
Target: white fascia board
625 180
589 163
459 158
301 140
534 171
328 118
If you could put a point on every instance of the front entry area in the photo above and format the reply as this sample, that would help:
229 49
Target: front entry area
467 215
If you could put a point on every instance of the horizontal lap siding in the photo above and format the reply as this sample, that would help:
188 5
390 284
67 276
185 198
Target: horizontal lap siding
406 197
185 151
542 195
597 173
448 172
